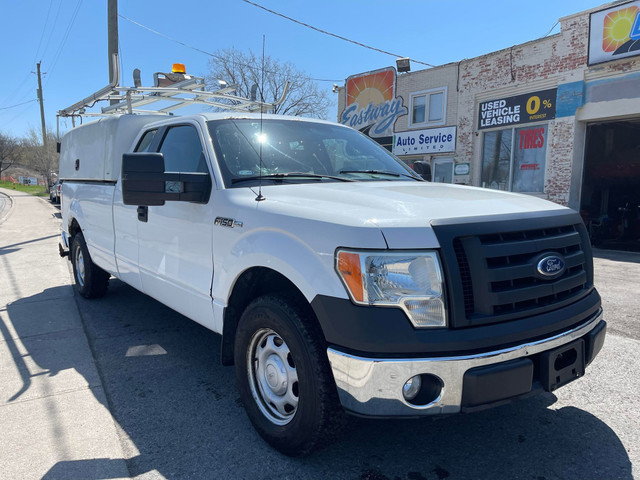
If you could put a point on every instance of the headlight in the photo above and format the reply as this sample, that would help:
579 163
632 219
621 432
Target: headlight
408 280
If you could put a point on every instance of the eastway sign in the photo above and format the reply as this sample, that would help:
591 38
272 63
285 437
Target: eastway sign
372 106
433 140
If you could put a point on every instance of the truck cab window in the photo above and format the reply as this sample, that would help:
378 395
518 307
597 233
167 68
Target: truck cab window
183 151
145 141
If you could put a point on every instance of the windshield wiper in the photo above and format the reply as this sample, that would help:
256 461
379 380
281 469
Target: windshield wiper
381 172
275 176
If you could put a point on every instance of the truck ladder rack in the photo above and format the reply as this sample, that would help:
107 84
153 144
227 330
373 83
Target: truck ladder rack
189 91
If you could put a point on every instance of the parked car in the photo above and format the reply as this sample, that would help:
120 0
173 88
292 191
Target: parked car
55 192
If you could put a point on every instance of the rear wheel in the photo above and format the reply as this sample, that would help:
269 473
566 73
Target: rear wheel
91 280
284 376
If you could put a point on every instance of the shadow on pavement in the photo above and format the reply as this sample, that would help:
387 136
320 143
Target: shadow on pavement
4 249
77 469
182 418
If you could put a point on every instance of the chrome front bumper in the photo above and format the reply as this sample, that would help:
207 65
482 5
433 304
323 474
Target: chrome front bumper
373 386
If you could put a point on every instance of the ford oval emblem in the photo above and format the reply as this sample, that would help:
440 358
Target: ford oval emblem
551 266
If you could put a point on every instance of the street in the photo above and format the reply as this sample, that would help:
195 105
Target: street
157 401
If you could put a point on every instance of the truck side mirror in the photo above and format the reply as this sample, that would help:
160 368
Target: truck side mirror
145 183
423 169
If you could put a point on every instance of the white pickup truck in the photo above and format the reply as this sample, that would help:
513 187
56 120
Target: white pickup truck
338 278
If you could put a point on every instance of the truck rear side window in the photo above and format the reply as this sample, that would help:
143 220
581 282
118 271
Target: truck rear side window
145 141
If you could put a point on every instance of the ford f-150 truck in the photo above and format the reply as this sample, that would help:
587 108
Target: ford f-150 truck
339 280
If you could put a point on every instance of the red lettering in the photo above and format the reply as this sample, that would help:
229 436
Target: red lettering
533 138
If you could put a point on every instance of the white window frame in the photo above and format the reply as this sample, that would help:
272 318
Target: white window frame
427 94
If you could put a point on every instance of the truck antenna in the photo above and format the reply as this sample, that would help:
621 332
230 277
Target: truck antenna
260 198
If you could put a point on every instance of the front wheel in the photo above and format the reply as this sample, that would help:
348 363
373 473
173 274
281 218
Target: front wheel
284 376
91 280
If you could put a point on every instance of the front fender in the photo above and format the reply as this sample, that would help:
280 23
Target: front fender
310 269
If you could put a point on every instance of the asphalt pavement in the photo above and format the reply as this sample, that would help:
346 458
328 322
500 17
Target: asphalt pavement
123 387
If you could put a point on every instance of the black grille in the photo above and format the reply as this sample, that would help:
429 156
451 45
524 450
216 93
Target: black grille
492 268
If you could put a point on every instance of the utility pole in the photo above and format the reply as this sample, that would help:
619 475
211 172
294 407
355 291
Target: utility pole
41 99
45 152
112 38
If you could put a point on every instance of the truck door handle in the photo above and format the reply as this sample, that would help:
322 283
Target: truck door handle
143 214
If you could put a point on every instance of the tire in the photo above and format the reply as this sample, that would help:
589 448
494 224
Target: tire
284 376
91 280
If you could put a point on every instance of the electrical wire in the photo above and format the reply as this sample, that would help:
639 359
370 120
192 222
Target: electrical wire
333 34
19 114
65 37
18 104
213 55
16 91
53 28
44 29
550 30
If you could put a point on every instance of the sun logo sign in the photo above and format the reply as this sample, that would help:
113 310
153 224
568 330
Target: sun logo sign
614 33
620 27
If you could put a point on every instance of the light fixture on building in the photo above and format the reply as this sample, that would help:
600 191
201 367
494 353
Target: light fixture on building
403 65
335 88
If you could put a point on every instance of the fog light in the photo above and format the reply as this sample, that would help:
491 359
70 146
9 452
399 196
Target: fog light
412 388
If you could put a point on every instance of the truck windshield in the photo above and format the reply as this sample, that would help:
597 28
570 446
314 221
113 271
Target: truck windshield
296 151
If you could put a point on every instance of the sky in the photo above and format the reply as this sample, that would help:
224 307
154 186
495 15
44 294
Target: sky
69 38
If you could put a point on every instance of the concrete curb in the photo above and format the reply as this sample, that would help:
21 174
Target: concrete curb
7 211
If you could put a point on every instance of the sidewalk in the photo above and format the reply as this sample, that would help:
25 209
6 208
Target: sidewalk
54 416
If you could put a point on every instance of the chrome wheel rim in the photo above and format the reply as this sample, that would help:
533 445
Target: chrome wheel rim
79 261
273 376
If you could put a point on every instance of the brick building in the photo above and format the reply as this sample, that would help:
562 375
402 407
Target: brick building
557 117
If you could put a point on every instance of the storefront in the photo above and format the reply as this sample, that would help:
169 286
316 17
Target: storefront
558 118
610 200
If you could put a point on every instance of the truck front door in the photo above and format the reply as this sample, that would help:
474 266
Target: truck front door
175 239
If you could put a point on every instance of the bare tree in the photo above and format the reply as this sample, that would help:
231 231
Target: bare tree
9 152
245 70
34 155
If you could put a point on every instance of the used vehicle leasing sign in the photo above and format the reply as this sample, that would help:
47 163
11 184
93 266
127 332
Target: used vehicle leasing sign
531 107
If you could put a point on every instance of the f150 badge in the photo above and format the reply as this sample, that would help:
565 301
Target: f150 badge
227 222
551 266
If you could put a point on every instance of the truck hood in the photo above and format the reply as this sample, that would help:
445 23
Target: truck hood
396 204
399 209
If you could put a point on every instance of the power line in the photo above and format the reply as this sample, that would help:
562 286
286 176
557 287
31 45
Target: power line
18 104
550 30
44 29
15 92
333 34
213 55
53 28
66 34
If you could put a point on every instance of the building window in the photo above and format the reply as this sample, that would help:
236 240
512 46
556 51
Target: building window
428 107
515 159
443 170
